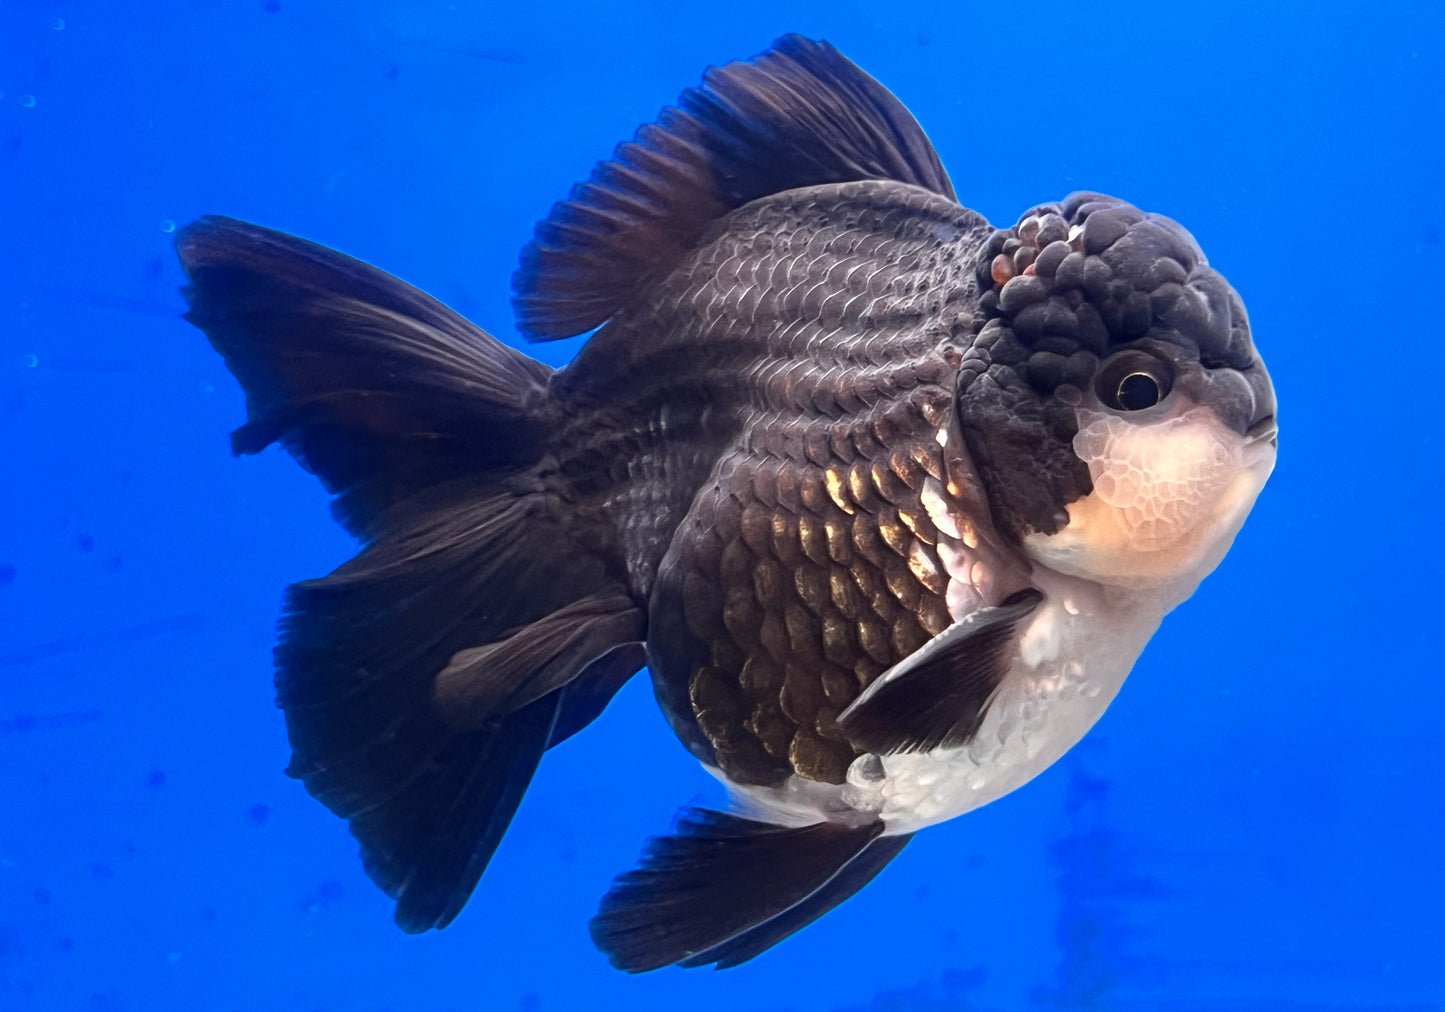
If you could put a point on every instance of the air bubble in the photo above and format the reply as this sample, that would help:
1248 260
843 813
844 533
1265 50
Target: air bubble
31 361
58 24
28 101
167 225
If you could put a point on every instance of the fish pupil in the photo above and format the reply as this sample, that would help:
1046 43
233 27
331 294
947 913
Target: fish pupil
1137 391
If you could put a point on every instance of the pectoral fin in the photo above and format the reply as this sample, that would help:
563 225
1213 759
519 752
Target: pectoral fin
939 694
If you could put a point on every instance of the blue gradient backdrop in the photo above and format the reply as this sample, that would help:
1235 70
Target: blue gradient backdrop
1255 824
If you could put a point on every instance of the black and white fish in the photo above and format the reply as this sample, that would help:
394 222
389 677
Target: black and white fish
887 500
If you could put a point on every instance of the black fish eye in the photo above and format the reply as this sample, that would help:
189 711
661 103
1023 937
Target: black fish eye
1137 391
1133 380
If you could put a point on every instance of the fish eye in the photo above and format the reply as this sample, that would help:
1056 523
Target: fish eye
1137 391
1133 380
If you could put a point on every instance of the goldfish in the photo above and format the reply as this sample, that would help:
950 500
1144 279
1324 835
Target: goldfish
886 500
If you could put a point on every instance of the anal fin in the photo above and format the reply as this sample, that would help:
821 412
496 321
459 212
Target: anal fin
938 695
722 889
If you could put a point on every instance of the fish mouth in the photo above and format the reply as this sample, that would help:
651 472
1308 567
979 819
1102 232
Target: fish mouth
1266 429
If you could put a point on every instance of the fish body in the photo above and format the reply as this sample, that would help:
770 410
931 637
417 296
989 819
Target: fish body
887 500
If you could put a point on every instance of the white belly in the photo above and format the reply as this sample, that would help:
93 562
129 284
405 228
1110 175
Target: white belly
1073 657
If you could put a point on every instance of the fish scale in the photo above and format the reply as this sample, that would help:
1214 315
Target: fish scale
840 405
804 616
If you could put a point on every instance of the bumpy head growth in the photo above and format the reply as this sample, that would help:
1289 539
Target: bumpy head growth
1113 402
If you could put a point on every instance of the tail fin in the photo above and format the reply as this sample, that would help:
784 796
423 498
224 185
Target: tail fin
483 621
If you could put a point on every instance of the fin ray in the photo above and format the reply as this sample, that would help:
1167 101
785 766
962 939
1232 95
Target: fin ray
852 877
434 437
800 114
725 883
374 386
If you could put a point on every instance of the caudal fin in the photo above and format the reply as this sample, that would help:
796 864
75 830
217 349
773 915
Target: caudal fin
482 622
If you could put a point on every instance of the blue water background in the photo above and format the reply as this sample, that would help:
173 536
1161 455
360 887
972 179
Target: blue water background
1256 823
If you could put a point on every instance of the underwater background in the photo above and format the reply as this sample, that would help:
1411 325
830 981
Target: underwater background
1257 821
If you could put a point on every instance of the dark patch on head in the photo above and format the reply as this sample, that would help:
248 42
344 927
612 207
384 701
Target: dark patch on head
1068 286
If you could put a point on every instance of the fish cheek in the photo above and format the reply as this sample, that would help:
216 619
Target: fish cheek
1169 492
1021 442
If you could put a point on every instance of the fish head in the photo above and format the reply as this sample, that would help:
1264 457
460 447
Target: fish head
1116 411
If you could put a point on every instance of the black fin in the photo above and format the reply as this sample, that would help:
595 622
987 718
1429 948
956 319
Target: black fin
724 888
587 695
429 847
537 659
430 785
800 114
853 876
373 386
938 695
436 439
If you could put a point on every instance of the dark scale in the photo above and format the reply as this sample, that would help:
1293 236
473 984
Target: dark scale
806 565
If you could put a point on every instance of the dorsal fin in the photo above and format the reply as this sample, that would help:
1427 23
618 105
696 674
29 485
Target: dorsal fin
800 114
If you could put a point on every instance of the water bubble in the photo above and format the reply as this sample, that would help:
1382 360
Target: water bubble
31 361
168 225
58 24
28 101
